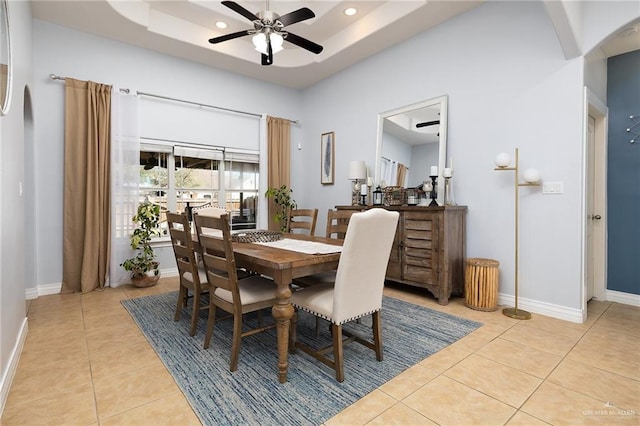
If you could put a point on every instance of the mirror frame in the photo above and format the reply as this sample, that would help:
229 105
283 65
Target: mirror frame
442 148
5 42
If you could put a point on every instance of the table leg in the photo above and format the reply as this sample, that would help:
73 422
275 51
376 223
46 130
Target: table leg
283 312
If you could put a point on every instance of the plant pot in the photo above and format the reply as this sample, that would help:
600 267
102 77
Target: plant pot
147 280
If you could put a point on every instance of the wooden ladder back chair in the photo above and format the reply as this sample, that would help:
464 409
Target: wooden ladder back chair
227 292
358 287
302 219
337 223
192 278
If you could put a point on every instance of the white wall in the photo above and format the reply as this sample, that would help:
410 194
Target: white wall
509 86
12 207
69 53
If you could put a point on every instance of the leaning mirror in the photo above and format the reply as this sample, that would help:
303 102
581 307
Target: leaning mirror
411 140
5 58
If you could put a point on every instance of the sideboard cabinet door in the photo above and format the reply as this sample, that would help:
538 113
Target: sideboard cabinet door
429 248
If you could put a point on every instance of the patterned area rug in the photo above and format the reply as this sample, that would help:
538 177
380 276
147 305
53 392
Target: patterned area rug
252 394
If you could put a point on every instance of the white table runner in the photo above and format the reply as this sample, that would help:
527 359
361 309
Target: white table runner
308 247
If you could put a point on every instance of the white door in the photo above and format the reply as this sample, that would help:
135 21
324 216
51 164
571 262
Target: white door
595 233
590 207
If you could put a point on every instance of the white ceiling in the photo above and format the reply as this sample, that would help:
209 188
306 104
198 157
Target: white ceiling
182 28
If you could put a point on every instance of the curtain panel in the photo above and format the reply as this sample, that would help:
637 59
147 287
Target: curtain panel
86 222
279 157
125 181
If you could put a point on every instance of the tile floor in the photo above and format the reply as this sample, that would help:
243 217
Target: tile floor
86 363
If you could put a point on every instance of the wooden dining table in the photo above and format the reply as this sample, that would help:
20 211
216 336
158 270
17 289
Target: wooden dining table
283 266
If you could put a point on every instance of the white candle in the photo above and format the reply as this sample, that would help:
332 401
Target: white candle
363 189
448 172
434 171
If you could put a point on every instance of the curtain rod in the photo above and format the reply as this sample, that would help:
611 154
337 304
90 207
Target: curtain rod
253 114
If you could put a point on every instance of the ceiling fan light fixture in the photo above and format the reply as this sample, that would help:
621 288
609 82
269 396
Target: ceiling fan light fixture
269 24
260 42
276 42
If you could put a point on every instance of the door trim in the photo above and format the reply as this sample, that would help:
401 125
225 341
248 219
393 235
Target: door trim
597 109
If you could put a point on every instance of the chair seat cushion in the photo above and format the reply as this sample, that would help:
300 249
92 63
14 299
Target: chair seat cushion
201 274
317 299
328 277
252 290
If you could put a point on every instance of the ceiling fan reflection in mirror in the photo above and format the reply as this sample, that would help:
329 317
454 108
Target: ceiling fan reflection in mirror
427 123
268 30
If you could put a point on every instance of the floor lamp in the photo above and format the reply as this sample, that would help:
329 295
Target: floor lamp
532 178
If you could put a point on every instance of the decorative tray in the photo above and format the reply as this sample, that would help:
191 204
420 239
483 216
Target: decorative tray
256 236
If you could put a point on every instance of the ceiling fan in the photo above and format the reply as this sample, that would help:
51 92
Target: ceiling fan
427 123
268 30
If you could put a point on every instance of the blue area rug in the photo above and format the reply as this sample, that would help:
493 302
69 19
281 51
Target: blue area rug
252 394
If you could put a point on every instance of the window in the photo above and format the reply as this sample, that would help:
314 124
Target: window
183 178
241 178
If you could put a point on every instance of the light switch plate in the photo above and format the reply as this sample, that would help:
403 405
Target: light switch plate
552 188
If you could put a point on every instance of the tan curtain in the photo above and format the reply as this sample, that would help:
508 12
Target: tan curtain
402 174
279 155
87 139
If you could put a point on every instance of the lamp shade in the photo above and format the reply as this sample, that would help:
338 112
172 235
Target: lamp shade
357 170
503 159
531 176
276 42
260 42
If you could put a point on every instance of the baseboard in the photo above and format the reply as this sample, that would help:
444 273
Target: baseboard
42 290
46 289
31 293
173 272
543 308
12 365
625 298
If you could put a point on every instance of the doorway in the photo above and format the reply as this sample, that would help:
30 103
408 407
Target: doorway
596 121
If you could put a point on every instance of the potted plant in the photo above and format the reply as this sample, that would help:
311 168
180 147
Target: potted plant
144 267
282 198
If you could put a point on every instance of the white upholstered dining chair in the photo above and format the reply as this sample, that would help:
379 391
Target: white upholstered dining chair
357 291
237 297
337 223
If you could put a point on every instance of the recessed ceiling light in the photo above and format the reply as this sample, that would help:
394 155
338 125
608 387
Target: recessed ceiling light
222 25
350 11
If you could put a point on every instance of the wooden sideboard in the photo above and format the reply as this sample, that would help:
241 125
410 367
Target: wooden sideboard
429 248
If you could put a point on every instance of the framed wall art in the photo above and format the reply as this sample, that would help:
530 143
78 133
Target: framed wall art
327 158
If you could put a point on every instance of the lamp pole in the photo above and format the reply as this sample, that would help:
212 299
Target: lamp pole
515 312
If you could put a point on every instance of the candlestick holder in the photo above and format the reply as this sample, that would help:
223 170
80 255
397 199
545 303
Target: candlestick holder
434 191
448 192
363 200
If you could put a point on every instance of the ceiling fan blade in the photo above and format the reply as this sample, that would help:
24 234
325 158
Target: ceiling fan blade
241 10
304 43
268 58
296 16
228 36
427 123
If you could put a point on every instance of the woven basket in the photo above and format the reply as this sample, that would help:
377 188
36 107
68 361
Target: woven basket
256 236
394 196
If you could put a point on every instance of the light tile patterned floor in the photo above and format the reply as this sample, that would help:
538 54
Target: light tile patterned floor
86 363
